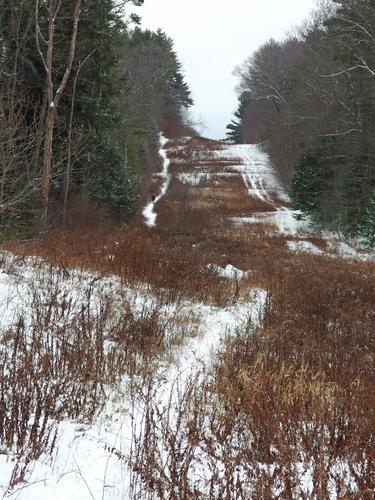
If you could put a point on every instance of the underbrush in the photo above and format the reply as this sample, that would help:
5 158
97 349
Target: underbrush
301 388
168 260
288 410
67 337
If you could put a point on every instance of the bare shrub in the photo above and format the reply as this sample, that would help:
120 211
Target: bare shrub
62 353
302 385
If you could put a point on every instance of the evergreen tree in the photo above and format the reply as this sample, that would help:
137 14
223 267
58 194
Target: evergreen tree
154 97
234 127
88 117
314 99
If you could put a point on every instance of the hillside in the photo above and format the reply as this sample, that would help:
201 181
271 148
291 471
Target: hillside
218 347
309 99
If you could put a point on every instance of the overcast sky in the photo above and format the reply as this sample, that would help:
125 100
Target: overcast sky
212 37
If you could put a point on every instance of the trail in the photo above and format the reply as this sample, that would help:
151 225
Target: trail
149 211
257 174
222 195
86 463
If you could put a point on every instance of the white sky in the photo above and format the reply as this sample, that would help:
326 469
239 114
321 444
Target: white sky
212 37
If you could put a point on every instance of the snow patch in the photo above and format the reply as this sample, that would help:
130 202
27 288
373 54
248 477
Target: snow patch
287 221
347 251
229 272
304 246
92 460
148 212
194 179
255 168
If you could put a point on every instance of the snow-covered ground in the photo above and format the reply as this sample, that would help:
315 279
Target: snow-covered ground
91 461
285 220
149 211
229 272
261 182
254 166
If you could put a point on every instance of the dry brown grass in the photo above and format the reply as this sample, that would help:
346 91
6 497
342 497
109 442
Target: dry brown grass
297 391
291 396
71 341
303 384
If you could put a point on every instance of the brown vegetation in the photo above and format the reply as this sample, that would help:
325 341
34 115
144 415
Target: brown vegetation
292 395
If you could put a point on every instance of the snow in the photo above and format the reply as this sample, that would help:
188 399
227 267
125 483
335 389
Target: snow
229 272
194 179
334 248
197 178
92 461
149 211
348 250
261 182
150 215
257 173
304 246
287 221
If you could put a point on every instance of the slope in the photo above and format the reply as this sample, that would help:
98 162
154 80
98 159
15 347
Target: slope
164 331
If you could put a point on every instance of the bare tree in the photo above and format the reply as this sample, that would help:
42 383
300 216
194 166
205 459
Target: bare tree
53 97
18 179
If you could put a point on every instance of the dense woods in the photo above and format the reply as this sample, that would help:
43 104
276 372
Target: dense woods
84 93
310 100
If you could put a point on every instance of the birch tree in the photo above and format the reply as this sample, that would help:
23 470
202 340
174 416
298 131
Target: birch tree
54 90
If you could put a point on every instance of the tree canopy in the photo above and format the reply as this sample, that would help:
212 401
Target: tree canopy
121 86
310 100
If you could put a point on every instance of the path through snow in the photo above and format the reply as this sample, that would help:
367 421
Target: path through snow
91 461
149 211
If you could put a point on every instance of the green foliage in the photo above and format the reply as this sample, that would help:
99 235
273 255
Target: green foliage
306 183
124 87
113 186
154 94
314 175
355 198
367 226
331 189
233 132
313 96
234 127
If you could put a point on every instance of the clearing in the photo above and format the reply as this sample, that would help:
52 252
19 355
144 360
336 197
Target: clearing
217 348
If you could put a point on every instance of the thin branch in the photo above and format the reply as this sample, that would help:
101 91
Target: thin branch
39 34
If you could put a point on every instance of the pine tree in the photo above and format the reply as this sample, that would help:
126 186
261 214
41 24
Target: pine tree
234 127
367 227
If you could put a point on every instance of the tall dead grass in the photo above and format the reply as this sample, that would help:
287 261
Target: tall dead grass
289 408
302 385
71 340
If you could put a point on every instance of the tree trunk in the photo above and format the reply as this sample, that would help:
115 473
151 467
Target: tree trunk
47 163
53 98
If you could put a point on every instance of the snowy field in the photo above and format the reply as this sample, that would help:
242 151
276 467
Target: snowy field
91 460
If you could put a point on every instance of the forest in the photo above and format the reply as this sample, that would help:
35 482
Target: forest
84 92
310 101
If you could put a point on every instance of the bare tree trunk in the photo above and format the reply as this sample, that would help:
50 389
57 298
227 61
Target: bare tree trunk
69 161
53 98
50 118
47 163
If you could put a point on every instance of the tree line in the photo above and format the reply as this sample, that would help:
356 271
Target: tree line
84 93
310 101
